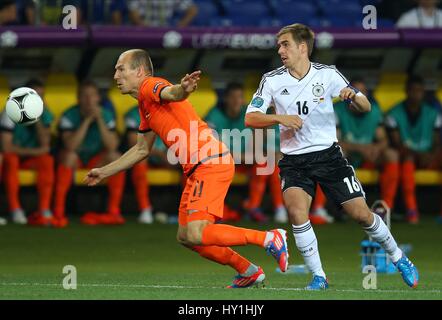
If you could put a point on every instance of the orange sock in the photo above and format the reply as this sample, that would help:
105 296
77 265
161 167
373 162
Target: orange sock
257 187
389 181
45 180
224 235
141 185
12 165
115 187
275 189
62 185
320 199
224 256
409 185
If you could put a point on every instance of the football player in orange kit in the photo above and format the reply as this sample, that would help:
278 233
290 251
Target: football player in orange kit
164 111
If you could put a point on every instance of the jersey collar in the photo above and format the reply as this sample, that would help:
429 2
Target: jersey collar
308 71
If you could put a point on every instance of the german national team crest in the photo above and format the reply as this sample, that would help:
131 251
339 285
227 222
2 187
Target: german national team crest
318 90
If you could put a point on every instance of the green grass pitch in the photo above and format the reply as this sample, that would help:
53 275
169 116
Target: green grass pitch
145 262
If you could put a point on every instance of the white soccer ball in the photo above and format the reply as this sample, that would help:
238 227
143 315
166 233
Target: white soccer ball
24 106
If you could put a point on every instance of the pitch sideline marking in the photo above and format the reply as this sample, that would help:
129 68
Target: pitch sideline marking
200 287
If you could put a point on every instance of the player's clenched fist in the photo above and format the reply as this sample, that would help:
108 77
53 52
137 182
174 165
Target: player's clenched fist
347 94
290 121
93 177
190 81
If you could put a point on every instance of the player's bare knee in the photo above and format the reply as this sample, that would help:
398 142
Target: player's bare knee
363 216
194 236
68 158
181 236
182 239
297 214
195 231
391 155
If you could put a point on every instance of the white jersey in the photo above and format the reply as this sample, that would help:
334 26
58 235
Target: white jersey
311 98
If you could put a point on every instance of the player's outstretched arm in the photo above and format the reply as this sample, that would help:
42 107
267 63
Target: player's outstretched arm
179 92
358 100
135 154
261 120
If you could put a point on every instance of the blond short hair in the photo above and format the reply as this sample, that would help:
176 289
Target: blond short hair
300 33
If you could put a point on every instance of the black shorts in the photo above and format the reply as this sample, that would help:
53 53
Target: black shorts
327 167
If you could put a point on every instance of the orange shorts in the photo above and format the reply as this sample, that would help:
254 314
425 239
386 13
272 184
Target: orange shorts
205 190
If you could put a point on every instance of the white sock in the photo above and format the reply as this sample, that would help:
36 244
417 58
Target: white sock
269 237
380 233
250 270
307 244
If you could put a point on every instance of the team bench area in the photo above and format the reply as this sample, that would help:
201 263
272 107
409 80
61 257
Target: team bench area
166 177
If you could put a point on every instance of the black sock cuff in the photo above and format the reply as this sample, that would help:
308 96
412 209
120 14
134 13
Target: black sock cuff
375 226
301 229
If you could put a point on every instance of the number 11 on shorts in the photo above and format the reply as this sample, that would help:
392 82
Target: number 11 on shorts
353 185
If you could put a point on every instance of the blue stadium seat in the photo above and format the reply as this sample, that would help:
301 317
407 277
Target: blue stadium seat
270 22
207 11
334 3
220 22
295 18
385 23
370 2
244 20
280 22
341 8
245 12
339 21
291 7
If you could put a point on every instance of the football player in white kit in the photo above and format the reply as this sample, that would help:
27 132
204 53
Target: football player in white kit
302 93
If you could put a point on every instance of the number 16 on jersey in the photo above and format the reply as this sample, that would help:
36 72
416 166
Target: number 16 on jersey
302 107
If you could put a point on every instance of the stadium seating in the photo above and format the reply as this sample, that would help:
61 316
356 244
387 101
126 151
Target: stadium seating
206 97
251 83
385 23
349 12
390 90
122 104
4 91
234 11
283 8
206 12
439 91
60 94
165 177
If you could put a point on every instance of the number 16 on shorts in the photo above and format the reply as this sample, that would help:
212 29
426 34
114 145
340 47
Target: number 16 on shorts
354 185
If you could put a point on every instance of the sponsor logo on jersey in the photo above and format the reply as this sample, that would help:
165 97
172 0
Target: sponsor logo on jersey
285 92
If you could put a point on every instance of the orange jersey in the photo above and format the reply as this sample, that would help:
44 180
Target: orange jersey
177 124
